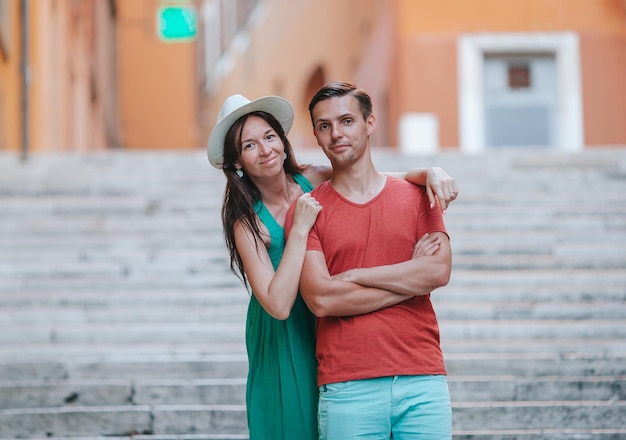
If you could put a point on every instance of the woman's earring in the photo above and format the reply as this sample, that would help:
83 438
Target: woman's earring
239 173
284 156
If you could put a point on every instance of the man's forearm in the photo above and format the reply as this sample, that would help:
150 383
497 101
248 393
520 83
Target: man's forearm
413 277
342 298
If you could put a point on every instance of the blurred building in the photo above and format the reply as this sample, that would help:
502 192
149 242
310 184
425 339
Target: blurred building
472 75
58 75
548 73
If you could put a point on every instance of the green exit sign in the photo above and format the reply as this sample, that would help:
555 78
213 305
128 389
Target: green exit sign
177 23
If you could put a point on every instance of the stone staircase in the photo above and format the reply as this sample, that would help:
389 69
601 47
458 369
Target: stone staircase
119 317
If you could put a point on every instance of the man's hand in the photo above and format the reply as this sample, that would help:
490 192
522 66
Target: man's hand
427 245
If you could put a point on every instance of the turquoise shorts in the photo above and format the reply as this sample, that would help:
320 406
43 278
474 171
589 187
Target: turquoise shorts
405 407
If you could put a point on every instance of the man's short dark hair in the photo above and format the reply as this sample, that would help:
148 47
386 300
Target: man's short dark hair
337 89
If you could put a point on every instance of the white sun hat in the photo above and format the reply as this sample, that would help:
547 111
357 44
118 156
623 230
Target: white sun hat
235 107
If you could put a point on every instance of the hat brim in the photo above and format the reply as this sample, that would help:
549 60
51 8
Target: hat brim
278 107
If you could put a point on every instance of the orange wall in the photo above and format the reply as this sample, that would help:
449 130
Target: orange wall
50 106
69 49
426 68
157 82
71 81
293 41
153 97
426 82
442 16
10 96
96 83
604 87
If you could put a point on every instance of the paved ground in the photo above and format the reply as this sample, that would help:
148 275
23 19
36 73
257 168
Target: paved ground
119 316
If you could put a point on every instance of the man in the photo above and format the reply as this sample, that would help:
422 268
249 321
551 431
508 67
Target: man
381 371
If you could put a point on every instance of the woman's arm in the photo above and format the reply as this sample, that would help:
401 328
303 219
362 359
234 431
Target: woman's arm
439 184
317 173
276 291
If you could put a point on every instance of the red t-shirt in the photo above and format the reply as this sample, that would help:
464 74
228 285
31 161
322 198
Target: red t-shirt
398 340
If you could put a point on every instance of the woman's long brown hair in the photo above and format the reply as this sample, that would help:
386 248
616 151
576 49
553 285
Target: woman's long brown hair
240 193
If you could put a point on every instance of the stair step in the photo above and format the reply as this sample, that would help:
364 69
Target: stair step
46 394
526 434
559 347
533 329
16 316
541 414
223 366
122 420
81 353
220 436
171 419
75 421
107 392
234 310
234 331
516 389
501 311
140 297
130 367
231 391
540 434
130 333
526 365
120 318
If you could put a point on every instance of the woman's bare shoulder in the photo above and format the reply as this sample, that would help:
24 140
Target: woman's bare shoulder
317 173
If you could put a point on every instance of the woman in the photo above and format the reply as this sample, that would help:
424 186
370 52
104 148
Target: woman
250 145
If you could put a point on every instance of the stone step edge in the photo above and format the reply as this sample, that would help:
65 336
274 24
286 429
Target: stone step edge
455 433
82 352
242 381
538 404
149 382
241 358
551 431
120 408
242 408
151 437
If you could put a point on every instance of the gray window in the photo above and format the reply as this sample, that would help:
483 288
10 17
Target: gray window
521 100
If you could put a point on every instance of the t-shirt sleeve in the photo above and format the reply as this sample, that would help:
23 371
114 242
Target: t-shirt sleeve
430 219
314 243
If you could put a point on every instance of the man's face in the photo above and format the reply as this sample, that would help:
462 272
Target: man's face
340 129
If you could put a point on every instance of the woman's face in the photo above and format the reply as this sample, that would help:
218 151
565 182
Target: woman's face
262 150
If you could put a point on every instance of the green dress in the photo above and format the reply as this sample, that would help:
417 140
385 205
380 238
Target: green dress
281 393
